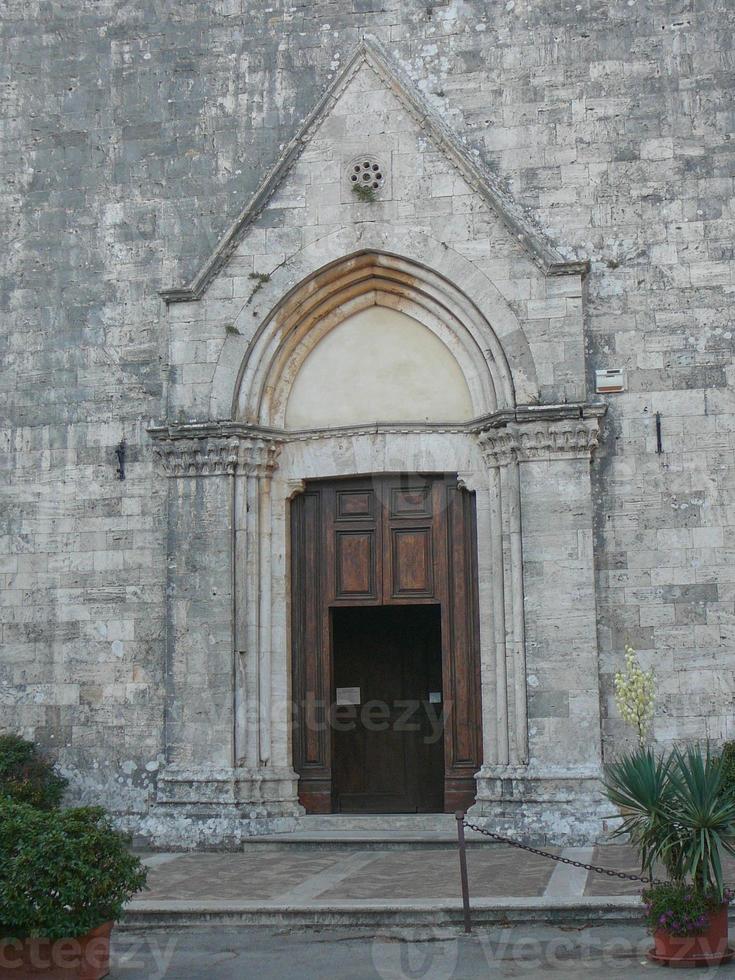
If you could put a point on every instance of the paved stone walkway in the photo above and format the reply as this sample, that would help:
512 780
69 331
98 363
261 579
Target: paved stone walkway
351 874
345 874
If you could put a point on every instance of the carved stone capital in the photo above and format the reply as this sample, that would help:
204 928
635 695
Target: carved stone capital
214 449
498 446
257 457
532 439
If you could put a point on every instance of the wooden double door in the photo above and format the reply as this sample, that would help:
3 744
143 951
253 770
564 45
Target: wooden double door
385 645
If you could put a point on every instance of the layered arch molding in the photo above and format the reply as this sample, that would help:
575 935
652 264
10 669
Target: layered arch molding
336 294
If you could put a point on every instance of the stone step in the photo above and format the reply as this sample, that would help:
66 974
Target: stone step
376 916
369 832
394 822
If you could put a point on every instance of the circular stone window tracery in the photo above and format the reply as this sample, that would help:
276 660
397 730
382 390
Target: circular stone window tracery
366 171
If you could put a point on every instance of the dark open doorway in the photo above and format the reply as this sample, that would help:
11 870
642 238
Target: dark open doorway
388 732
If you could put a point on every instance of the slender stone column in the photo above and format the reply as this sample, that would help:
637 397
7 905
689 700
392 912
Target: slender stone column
257 460
247 573
497 453
476 481
512 498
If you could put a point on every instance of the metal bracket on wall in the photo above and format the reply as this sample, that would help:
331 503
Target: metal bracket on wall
120 453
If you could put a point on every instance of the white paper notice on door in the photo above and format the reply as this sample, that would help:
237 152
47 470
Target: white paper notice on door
348 695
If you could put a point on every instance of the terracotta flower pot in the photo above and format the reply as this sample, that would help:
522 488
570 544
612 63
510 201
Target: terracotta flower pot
82 958
709 948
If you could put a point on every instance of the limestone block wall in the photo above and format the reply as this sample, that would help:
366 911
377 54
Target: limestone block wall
130 138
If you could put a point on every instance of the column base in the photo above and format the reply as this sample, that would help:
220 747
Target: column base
553 807
202 808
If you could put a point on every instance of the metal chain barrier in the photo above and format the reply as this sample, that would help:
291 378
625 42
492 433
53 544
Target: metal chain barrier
461 841
557 857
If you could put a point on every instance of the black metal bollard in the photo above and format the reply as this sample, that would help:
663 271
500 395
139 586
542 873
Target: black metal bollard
459 816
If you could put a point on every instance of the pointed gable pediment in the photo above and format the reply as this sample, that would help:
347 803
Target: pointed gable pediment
370 53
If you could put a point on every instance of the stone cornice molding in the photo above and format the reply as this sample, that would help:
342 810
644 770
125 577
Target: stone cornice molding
531 436
214 449
369 51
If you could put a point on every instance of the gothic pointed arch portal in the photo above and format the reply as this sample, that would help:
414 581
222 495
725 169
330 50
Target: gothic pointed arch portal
355 283
509 472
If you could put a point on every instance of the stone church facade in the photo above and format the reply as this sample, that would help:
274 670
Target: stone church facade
458 366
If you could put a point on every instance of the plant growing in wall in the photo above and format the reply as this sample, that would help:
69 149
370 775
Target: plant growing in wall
65 876
635 695
364 193
675 813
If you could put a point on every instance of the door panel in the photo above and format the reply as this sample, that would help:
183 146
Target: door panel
411 501
311 661
352 504
384 541
411 572
356 562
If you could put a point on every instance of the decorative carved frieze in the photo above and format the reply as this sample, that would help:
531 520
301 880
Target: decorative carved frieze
198 457
212 449
567 438
540 439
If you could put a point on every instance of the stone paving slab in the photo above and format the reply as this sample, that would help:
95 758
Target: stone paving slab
435 873
225 877
623 858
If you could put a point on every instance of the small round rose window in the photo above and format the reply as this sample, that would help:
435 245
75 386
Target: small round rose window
366 172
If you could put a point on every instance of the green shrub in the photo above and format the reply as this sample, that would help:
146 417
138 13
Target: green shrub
63 872
26 777
727 762
680 910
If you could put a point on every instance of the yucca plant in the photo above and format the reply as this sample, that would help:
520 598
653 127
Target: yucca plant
704 819
674 811
639 784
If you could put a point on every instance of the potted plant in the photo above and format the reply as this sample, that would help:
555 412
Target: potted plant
64 878
675 813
